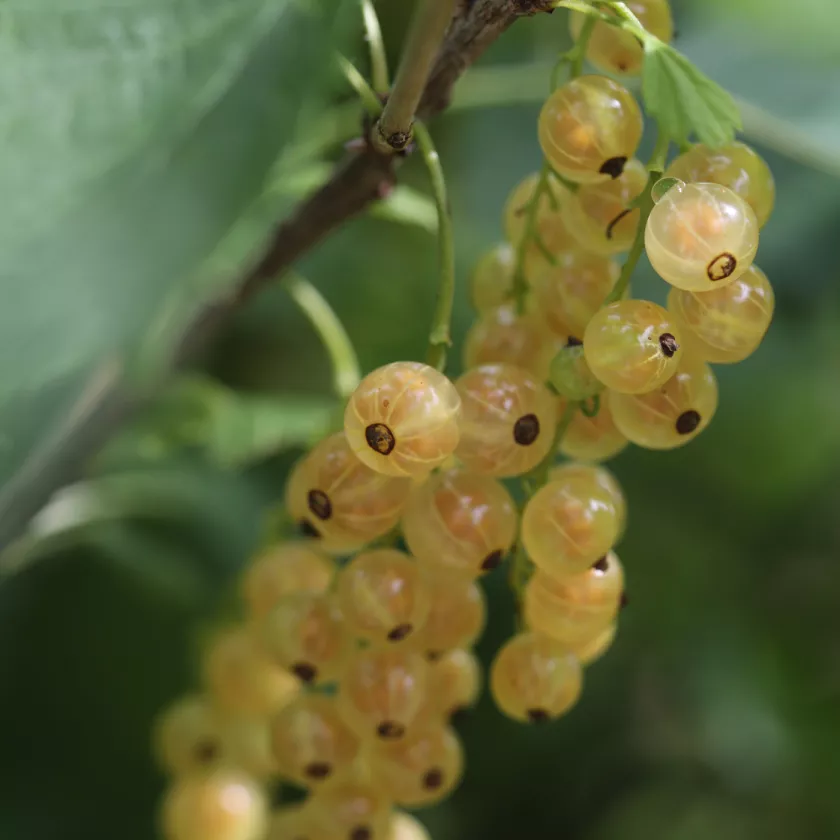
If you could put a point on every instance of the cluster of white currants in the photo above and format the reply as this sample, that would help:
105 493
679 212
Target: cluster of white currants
353 656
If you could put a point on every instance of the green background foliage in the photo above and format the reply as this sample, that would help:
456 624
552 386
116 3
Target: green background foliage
136 135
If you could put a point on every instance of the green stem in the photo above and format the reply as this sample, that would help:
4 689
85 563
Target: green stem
358 82
656 166
519 285
439 335
576 66
521 566
378 57
345 364
393 130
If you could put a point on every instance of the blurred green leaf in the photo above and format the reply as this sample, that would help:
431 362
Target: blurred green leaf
684 101
408 206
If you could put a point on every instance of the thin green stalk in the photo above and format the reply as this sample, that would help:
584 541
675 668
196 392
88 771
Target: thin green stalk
576 66
656 166
345 363
519 285
393 130
439 335
521 566
360 84
378 57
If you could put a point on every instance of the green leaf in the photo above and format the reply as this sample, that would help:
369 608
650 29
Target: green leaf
138 134
685 102
409 207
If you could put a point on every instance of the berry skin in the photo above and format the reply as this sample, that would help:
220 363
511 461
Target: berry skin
344 501
632 346
457 614
534 679
612 50
306 634
594 648
735 166
725 325
571 377
402 420
383 596
701 236
501 336
349 809
508 420
188 736
242 679
491 280
420 770
671 415
455 684
406 827
572 291
461 521
549 224
589 128
576 609
282 569
599 215
221 805
247 746
603 478
570 522
383 691
592 438
291 822
311 742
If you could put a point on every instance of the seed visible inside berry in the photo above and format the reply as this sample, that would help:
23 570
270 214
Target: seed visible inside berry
380 438
319 503
668 344
688 421
526 429
390 729
492 560
721 267
304 671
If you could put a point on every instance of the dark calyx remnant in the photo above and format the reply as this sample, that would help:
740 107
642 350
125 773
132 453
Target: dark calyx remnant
380 438
526 429
206 751
573 341
304 671
688 421
668 344
613 167
390 729
433 779
361 832
398 633
319 503
721 267
537 715
492 560
318 770
601 564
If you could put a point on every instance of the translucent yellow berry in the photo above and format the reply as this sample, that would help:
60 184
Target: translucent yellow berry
342 500
592 649
673 414
632 346
612 50
291 822
188 735
421 769
535 679
701 236
592 438
383 691
501 336
306 634
221 805
569 523
281 569
383 596
600 216
455 683
406 827
490 283
734 165
574 610
508 420
573 290
589 128
460 520
242 679
350 809
247 746
603 478
402 420
726 325
311 742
